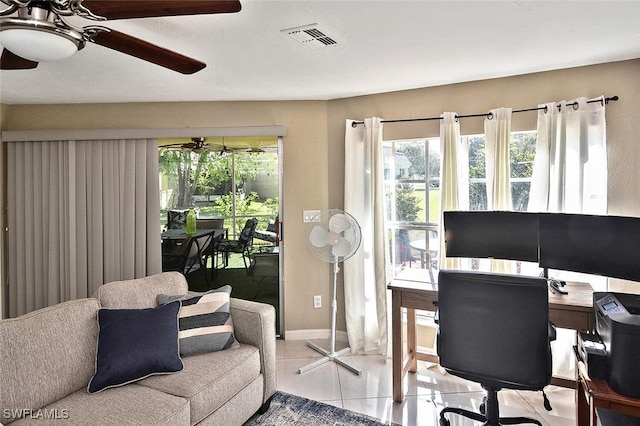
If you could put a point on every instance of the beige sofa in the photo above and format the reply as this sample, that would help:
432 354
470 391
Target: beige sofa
48 357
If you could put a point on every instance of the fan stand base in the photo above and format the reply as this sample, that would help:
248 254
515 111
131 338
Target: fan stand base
328 356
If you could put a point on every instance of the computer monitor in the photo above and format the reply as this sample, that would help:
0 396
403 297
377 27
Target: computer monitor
491 234
601 245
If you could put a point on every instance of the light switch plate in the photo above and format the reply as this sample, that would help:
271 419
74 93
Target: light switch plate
310 216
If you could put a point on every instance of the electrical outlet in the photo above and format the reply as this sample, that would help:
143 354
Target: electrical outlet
317 302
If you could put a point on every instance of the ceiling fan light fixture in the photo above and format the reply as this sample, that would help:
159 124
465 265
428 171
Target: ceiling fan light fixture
39 41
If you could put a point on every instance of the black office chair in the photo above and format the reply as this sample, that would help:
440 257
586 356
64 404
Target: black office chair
494 329
241 245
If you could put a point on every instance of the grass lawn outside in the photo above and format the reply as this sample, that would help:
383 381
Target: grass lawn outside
434 205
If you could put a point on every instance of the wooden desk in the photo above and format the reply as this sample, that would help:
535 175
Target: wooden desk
596 393
573 311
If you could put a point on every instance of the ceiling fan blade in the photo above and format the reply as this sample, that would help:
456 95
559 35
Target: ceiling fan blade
149 52
126 9
11 61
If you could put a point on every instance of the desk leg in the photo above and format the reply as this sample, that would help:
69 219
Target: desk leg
396 343
585 406
412 346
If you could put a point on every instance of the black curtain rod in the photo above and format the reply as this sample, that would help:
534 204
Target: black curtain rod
488 114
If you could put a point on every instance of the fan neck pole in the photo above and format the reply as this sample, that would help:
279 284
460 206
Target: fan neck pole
334 305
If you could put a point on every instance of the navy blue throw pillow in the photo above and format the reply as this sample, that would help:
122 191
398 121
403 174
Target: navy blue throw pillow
134 344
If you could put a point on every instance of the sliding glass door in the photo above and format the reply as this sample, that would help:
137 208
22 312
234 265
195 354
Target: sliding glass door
232 180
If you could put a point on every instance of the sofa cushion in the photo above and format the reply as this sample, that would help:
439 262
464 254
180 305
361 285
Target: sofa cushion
39 350
127 405
210 380
141 292
204 320
135 343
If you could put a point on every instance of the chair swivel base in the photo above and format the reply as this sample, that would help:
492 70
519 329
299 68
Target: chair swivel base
329 356
481 418
488 413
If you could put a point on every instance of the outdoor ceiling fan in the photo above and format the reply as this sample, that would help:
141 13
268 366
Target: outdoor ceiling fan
197 145
221 146
33 31
200 146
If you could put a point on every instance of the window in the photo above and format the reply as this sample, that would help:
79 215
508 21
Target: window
412 188
234 184
522 151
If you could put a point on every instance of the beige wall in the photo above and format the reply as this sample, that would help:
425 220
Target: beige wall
314 152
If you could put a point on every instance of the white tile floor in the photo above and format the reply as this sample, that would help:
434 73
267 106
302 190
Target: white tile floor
426 392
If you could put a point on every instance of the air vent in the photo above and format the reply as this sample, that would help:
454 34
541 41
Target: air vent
311 36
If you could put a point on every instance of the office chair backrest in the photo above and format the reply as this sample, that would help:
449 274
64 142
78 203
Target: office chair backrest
494 328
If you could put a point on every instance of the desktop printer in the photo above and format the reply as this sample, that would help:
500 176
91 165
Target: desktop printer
618 325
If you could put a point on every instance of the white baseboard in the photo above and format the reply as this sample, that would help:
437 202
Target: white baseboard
314 334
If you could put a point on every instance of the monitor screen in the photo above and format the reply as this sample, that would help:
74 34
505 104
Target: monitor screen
491 234
602 245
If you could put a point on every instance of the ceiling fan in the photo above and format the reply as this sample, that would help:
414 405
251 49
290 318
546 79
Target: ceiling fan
221 145
33 31
197 145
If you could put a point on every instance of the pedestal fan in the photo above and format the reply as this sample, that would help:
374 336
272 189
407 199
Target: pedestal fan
333 236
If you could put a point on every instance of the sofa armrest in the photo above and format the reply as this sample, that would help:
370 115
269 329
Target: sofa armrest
254 324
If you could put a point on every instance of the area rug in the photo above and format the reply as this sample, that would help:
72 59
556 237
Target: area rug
287 409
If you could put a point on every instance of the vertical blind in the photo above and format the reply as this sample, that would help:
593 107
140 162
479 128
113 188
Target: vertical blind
80 214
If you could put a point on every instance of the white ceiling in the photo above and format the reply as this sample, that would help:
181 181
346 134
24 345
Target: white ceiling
382 46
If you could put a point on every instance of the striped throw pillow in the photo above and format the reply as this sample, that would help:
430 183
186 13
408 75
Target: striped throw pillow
204 321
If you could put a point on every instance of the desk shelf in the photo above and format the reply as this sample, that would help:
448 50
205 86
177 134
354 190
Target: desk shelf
593 394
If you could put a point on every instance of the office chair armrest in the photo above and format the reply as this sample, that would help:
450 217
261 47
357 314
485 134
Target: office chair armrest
552 332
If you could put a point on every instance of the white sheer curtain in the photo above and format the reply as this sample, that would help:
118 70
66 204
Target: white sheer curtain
454 177
497 132
570 175
365 280
80 214
570 168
